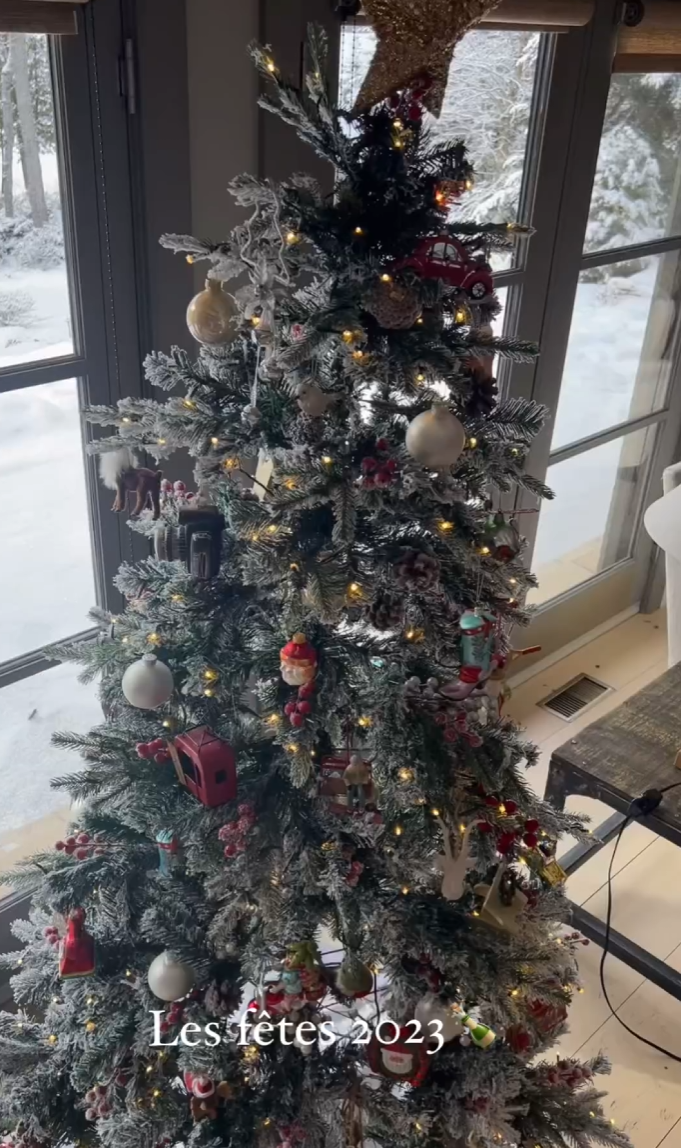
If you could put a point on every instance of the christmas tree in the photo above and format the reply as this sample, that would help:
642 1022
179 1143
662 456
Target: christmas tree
310 898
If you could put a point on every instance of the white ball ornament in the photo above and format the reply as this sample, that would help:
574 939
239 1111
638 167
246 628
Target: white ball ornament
147 683
432 1007
435 438
168 979
211 315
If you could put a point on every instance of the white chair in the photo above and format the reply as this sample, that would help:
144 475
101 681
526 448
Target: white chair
663 523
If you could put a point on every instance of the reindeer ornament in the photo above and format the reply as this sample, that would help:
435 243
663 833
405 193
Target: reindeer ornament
454 866
119 471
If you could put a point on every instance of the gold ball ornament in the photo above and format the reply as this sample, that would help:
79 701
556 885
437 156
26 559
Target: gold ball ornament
211 315
393 305
435 438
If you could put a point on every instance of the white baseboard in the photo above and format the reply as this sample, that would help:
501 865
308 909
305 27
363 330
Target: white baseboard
583 640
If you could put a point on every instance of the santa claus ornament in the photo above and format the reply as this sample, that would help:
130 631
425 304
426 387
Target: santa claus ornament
390 1055
298 661
206 1095
77 952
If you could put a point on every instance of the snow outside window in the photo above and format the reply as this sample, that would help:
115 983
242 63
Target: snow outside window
46 575
487 103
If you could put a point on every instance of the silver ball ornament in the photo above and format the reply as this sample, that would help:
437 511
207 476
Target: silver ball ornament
147 683
435 438
168 979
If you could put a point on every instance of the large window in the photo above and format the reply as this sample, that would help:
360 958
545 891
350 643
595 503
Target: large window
488 103
593 161
58 350
622 344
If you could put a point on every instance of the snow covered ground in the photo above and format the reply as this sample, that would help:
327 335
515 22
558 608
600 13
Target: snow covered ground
30 711
608 327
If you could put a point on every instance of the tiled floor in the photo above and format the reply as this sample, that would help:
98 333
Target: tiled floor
644 1091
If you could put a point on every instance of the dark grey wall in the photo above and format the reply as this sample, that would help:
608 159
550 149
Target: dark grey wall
162 170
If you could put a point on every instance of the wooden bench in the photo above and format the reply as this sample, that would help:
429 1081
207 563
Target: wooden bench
632 749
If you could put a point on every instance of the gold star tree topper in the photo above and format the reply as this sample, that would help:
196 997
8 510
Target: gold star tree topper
416 40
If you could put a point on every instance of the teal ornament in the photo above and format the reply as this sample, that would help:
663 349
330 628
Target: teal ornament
477 643
292 983
168 852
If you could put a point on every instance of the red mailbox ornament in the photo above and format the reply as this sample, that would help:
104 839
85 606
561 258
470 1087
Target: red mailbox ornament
205 765
397 1059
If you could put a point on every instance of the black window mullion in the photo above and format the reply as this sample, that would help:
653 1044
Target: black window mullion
37 373
633 251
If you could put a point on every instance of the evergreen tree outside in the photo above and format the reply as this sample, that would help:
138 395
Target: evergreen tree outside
332 640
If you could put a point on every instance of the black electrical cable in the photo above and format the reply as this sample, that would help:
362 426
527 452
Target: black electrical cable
641 806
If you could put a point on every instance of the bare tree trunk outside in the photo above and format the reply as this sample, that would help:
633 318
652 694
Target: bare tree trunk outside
30 154
7 131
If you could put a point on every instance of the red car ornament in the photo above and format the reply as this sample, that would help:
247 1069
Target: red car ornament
441 257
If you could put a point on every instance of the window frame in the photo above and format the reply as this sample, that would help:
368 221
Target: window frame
542 310
94 173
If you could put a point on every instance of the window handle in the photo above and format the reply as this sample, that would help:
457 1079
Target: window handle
127 80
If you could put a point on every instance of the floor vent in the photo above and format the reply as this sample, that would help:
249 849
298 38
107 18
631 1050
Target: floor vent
575 697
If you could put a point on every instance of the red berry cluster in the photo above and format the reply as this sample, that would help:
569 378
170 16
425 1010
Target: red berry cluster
173 1016
81 846
51 934
97 1100
291 1134
178 489
455 725
477 1103
508 834
234 833
296 712
156 749
378 471
568 1072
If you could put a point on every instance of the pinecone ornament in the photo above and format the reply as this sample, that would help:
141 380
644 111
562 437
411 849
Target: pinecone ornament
393 305
386 611
416 570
